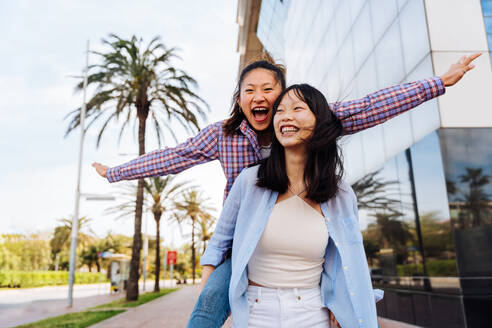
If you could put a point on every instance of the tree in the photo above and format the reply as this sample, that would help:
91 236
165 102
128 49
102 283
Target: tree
159 198
60 242
371 249
8 261
193 207
205 222
476 198
134 83
90 256
162 195
393 233
374 193
24 252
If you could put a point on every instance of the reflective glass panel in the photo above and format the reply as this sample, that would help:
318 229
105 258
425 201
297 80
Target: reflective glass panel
343 21
355 7
432 204
383 13
373 147
414 36
389 57
396 228
362 37
467 158
487 7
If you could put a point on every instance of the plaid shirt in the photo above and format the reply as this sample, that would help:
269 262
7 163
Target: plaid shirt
235 152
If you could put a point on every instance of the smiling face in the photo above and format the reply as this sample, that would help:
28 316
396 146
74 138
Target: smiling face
294 121
258 93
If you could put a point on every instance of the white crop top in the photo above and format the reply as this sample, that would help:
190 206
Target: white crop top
291 250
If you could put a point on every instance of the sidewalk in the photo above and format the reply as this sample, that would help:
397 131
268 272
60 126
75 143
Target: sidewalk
12 316
22 306
173 311
170 311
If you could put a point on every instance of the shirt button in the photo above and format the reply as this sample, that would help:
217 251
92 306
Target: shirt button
345 268
360 320
352 294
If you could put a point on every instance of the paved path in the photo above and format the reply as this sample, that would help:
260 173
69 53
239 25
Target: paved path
173 311
170 311
21 306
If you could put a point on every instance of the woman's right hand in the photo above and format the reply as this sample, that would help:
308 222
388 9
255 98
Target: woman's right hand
101 169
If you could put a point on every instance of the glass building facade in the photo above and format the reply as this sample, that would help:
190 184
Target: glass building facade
487 18
425 192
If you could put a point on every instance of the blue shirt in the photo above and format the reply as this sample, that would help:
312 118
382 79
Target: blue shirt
346 287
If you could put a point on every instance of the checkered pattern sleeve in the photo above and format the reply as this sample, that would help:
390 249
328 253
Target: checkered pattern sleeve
171 160
380 106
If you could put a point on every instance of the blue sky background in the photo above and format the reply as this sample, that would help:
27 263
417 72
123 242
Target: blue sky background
44 43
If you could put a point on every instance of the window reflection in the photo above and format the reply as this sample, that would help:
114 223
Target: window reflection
468 166
406 243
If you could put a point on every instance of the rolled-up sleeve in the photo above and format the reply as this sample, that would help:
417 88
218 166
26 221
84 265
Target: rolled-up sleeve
199 149
380 106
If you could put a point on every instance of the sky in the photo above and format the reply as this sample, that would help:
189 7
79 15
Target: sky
43 45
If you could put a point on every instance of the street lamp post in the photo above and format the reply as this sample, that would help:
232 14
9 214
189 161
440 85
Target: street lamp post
75 218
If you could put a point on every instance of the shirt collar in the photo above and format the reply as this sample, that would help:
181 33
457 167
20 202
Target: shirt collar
251 135
245 128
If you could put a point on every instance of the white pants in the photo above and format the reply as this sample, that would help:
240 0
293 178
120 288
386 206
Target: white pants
286 308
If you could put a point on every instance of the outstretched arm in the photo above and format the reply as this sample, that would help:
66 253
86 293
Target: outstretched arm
382 105
170 160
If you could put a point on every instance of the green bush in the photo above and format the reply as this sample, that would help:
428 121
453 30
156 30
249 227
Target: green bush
24 279
435 268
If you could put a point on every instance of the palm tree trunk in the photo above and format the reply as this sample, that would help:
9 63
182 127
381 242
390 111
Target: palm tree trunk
193 264
132 290
157 217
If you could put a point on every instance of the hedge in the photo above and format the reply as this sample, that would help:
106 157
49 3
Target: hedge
435 268
23 279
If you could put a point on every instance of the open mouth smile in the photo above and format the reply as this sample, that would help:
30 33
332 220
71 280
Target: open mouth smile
260 114
287 130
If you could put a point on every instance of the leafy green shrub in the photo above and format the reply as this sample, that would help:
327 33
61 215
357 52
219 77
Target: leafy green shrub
435 268
24 279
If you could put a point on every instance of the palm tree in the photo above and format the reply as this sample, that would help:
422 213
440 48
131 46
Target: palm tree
193 206
61 237
375 193
159 198
162 195
90 256
476 199
134 83
206 222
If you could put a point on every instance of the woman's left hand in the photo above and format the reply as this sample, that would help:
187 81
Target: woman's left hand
333 321
457 70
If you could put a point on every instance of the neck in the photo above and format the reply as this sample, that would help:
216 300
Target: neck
264 137
295 162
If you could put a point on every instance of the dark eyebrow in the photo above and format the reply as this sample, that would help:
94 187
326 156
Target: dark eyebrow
250 84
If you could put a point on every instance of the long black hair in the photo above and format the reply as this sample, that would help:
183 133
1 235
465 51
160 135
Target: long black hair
237 116
324 169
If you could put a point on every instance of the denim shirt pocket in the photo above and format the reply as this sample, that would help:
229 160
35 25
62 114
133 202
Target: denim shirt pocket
352 230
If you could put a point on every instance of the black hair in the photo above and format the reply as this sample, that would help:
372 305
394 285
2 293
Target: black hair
324 168
237 116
